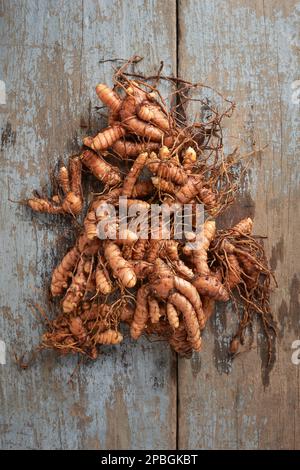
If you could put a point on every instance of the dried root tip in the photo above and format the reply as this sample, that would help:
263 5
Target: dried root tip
190 319
71 185
172 315
76 290
135 90
227 246
43 205
90 225
109 337
64 179
210 286
154 310
197 249
189 158
183 270
121 268
100 168
127 149
141 313
103 282
105 138
93 353
63 271
190 292
164 153
244 227
87 266
209 232
152 113
109 97
134 173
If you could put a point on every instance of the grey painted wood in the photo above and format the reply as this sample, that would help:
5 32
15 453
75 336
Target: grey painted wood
250 51
127 399
50 53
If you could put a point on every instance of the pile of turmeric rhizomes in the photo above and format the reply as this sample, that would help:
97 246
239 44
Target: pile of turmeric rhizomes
159 287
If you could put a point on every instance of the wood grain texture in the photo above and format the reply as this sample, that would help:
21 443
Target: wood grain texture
249 50
50 53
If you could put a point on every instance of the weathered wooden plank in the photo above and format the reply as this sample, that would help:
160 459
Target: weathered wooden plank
249 50
50 57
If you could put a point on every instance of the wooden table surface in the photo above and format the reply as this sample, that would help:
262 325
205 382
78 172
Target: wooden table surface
140 395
